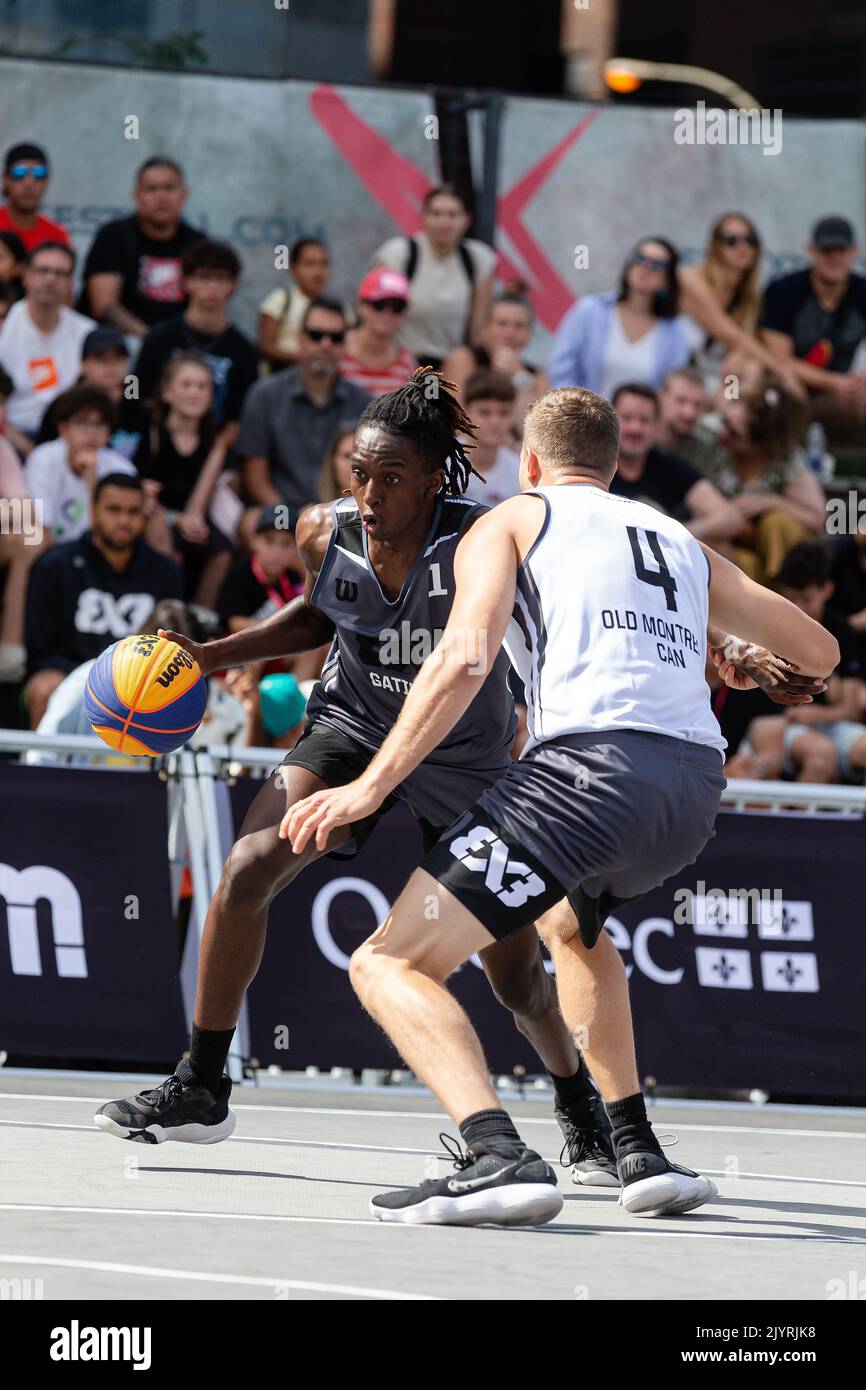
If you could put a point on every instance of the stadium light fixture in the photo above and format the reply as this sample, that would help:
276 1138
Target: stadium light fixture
624 75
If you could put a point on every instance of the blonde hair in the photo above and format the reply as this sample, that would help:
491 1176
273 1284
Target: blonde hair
745 308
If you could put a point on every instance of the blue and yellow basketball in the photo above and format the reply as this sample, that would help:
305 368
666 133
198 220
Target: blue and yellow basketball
145 696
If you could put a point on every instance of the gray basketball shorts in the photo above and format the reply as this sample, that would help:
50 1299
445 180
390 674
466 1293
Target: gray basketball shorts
598 818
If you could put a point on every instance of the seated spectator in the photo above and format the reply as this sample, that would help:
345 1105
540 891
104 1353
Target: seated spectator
105 365
634 333
825 740
290 418
504 339
489 400
269 577
210 277
63 473
722 298
647 473
336 476
451 277
373 359
848 572
19 546
813 323
13 263
683 405
25 183
766 477
86 594
182 455
132 275
40 342
282 311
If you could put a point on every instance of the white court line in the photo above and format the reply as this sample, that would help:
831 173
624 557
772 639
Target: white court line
422 1153
200 1277
439 1115
630 1230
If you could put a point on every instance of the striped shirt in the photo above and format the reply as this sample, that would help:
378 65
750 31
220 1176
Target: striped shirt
378 380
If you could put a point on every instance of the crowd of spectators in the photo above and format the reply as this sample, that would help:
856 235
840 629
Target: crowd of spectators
167 453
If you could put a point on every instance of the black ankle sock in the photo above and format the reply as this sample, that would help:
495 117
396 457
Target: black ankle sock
631 1128
572 1090
208 1053
495 1130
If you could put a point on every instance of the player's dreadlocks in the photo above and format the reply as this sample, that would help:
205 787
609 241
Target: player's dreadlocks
426 411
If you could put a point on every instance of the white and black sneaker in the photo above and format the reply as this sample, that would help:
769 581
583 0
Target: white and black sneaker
487 1190
651 1186
587 1147
178 1109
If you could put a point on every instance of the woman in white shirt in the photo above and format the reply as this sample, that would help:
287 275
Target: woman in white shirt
634 333
451 277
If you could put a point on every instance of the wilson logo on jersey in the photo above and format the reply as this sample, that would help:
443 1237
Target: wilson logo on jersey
483 852
346 590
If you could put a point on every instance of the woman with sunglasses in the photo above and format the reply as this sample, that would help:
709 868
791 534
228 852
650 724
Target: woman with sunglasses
634 333
722 298
373 358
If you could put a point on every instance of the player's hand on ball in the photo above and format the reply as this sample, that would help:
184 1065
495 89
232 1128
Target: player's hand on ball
197 650
322 812
743 666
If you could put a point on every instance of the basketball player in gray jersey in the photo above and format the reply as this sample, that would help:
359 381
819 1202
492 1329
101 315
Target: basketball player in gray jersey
380 587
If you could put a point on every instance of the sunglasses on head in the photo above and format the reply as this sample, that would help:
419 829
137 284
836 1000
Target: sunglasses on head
397 306
318 335
734 239
20 171
651 262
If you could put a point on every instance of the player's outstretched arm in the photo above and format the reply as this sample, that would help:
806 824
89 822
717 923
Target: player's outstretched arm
298 627
756 614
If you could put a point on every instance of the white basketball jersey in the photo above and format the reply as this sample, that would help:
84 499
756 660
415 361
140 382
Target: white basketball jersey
610 622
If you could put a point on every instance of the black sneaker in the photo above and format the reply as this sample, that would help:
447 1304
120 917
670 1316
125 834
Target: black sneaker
490 1190
587 1149
651 1186
178 1109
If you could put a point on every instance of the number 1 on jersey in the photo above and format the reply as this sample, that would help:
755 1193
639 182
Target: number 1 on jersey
662 576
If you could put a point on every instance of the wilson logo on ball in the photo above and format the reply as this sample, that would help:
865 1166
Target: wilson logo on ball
145 696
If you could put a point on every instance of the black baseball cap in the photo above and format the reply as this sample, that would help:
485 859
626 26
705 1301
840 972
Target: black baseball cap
833 231
103 340
30 152
277 516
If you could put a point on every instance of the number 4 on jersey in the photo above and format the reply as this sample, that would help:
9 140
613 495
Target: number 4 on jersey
662 576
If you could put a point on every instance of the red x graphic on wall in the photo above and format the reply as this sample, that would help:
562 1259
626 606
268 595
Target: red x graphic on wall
399 188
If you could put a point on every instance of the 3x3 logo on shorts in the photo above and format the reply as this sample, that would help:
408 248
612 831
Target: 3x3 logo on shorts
482 851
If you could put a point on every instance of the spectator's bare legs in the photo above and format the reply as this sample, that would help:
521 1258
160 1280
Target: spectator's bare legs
593 999
212 576
857 755
38 692
813 755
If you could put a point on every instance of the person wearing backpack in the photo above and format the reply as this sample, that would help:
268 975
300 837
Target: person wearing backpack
451 277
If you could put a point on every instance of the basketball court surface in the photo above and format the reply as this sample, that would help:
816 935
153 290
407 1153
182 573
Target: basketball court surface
280 1210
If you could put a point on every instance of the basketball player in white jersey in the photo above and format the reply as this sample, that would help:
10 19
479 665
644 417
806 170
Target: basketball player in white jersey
603 605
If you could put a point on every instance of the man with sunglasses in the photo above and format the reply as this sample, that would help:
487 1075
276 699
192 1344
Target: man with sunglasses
290 417
373 358
25 181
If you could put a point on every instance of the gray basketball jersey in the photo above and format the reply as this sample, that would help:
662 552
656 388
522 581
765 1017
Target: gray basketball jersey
379 646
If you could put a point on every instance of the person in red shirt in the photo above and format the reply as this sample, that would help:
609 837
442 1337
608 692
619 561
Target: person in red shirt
25 181
373 359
